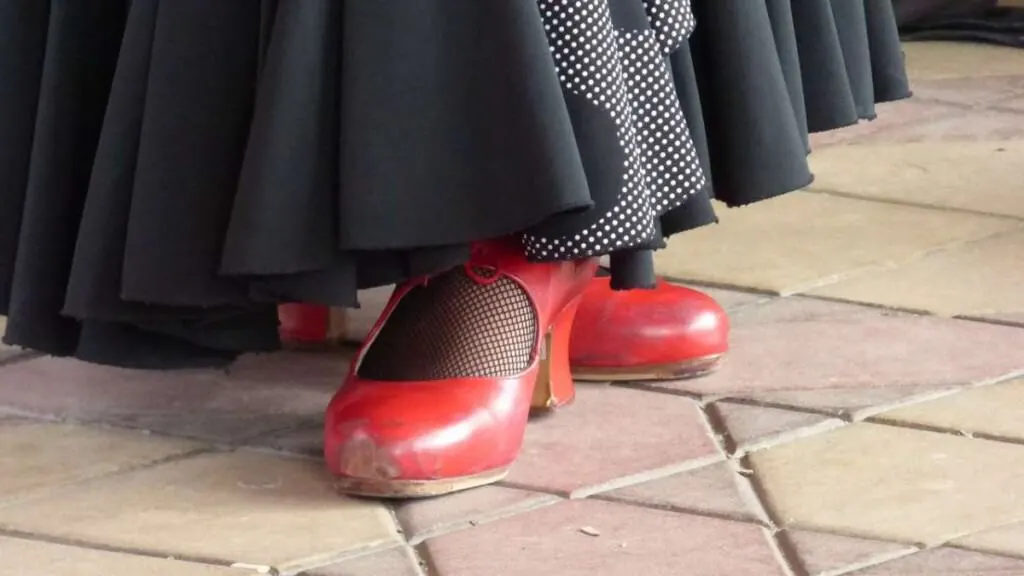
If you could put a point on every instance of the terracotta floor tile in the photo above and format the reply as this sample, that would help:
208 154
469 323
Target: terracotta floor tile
935 60
423 518
894 484
802 344
1015 104
754 427
716 490
995 410
238 507
30 558
890 115
629 541
947 562
821 553
258 394
803 239
928 173
36 456
394 562
610 433
980 278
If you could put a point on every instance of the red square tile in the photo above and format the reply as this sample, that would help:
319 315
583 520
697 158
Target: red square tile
805 344
587 538
608 434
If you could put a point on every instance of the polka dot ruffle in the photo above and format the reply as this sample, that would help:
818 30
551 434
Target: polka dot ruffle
625 72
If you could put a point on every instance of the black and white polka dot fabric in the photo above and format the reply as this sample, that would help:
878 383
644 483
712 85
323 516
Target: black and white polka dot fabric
625 72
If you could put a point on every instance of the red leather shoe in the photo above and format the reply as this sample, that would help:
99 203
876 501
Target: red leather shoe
403 438
668 333
308 325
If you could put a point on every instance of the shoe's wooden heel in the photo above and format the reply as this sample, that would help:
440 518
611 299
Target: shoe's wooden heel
555 388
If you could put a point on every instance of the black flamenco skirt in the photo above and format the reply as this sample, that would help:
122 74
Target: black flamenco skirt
170 170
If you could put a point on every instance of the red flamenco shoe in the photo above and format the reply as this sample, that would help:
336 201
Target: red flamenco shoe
309 325
395 435
668 333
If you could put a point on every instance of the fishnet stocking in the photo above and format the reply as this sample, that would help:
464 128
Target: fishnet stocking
455 327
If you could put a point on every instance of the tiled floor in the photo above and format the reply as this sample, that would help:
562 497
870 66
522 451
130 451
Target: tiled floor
870 420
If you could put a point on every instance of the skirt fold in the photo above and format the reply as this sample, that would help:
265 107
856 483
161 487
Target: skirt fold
170 170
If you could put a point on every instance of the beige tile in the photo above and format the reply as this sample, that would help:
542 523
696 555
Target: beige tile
237 507
30 558
947 562
37 456
1007 539
801 240
821 553
714 490
932 60
589 537
978 279
996 410
753 427
980 176
895 484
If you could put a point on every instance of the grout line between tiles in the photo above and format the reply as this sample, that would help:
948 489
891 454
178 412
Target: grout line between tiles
766 294
304 565
824 191
42 493
967 434
542 501
966 548
785 555
427 563
871 562
995 321
645 476
753 494
681 510
652 387
789 436
902 309
888 266
891 265
87 545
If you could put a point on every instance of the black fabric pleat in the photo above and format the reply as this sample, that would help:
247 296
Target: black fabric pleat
171 169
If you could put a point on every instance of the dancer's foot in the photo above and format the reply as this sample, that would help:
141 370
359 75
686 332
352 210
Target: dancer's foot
438 398
671 332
